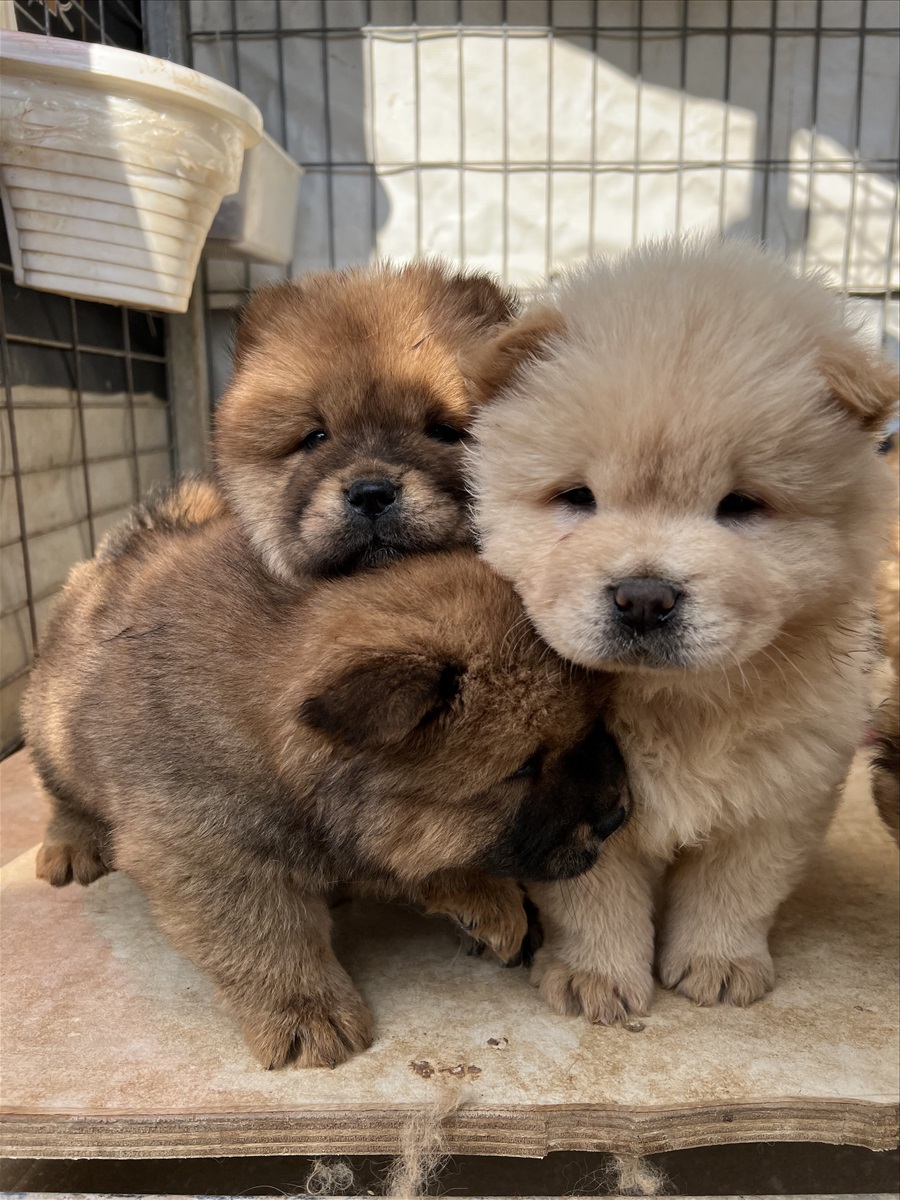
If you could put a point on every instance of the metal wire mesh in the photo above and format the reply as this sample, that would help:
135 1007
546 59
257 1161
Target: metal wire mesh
110 22
517 135
85 425
524 134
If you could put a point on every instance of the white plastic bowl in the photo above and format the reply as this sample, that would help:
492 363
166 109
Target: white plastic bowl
112 167
258 222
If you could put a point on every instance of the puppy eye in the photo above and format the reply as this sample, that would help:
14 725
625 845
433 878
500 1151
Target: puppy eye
580 497
736 507
445 433
530 769
313 439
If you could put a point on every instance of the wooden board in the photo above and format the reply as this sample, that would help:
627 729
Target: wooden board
112 1045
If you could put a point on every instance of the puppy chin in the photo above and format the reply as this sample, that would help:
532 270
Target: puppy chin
351 544
567 864
601 646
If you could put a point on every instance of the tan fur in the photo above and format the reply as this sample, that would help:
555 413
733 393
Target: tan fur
170 508
240 746
687 373
367 360
886 768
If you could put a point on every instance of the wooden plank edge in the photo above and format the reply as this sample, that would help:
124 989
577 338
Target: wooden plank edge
526 1132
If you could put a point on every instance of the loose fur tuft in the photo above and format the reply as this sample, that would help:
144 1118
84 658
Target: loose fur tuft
422 1149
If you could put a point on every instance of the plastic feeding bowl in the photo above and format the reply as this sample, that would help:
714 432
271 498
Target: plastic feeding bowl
258 222
112 167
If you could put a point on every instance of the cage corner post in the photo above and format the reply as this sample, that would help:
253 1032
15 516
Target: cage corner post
189 394
166 36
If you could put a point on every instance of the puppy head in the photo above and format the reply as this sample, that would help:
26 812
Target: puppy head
683 465
451 736
339 441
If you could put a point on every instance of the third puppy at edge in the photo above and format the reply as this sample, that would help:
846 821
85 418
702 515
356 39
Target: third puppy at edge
679 476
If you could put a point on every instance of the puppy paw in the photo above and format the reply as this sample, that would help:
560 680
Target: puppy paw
310 1032
491 912
605 999
59 863
709 979
495 917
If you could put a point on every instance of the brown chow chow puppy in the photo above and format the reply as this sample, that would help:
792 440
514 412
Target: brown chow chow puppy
239 747
682 485
886 765
339 442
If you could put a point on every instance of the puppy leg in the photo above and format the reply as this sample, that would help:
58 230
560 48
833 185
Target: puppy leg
491 910
76 847
597 958
722 899
265 943
886 766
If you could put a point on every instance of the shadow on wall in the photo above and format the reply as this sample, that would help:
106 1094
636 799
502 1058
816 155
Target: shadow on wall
752 99
522 148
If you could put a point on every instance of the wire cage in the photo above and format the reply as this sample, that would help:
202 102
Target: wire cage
85 426
522 135
513 135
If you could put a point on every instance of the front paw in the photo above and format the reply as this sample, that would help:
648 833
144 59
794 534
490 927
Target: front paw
604 998
493 914
711 979
59 863
312 1031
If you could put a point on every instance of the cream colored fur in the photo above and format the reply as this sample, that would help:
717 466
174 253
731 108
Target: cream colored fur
665 381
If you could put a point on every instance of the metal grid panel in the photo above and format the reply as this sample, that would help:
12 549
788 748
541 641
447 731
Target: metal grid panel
524 134
111 22
85 425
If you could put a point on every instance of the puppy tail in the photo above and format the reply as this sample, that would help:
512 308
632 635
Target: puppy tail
173 508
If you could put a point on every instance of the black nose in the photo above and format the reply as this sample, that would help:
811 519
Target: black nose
371 497
643 604
611 822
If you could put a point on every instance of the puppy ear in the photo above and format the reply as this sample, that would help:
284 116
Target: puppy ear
490 366
481 299
258 314
383 700
863 382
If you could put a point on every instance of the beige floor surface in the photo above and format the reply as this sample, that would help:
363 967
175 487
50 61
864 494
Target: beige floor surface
112 1044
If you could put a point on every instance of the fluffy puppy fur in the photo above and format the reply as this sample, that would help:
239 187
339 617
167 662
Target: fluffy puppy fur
339 441
680 479
886 765
239 747
167 509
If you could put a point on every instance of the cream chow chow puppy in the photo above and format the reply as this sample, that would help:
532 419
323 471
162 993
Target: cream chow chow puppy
678 473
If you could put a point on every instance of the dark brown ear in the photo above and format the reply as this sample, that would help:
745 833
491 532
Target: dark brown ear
863 382
383 700
264 307
491 366
481 300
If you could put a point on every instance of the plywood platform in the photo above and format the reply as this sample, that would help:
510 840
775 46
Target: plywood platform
112 1045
